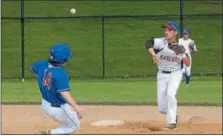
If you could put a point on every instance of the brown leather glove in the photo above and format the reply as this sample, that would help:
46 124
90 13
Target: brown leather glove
178 49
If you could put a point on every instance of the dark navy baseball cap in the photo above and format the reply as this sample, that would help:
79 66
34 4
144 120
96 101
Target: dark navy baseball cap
171 25
186 31
60 52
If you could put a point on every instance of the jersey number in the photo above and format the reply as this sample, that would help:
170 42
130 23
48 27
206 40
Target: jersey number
47 79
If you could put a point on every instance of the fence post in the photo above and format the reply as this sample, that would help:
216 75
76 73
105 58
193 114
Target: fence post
181 17
103 46
22 42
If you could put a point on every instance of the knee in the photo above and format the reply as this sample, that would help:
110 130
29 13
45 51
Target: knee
73 129
74 126
171 97
187 73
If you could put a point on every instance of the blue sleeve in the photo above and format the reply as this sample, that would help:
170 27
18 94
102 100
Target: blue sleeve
34 67
62 82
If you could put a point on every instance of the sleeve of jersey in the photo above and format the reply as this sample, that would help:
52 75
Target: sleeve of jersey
158 43
34 67
62 82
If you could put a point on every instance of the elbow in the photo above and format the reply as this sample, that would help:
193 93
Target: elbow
149 48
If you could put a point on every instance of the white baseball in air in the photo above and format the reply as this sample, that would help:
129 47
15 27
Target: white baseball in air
73 11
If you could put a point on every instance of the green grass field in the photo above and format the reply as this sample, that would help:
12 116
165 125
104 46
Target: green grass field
129 91
125 52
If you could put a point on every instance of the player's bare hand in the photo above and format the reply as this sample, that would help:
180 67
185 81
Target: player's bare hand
155 60
79 110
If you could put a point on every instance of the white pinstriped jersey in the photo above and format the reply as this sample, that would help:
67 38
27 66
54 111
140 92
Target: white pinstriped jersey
168 60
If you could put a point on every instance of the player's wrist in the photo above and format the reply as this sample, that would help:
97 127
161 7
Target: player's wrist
75 106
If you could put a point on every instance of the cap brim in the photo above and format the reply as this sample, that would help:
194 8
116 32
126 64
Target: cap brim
185 33
169 27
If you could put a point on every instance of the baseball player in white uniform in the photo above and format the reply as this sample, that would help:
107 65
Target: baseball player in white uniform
190 47
168 55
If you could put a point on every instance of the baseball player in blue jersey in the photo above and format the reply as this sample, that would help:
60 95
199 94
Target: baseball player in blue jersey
53 81
190 47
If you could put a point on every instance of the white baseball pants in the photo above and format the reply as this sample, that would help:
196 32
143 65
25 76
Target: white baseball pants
64 115
167 86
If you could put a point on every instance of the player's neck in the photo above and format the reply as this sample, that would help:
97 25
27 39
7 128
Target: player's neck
172 40
54 63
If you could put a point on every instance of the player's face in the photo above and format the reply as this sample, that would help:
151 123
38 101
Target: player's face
185 35
169 33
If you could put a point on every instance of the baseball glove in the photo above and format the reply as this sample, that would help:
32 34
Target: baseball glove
191 45
178 49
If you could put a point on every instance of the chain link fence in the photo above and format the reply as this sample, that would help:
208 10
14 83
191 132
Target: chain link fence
107 36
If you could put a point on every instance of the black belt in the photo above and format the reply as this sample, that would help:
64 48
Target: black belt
55 105
167 72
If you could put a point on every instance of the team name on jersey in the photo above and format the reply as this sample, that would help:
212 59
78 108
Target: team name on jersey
170 58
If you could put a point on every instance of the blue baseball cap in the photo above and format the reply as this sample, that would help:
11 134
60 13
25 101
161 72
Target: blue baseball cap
186 31
60 52
172 25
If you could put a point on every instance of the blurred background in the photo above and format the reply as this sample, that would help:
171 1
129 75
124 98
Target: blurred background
107 36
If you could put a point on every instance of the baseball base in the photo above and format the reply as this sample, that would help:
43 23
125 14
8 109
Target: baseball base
107 123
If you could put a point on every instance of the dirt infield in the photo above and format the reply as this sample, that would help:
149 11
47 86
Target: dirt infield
29 119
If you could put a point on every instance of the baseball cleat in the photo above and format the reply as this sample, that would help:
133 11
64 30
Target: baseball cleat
171 126
45 132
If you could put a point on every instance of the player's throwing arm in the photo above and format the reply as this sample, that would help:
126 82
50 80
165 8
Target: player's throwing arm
168 55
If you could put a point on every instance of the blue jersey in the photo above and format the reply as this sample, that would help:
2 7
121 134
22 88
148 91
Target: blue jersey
51 80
